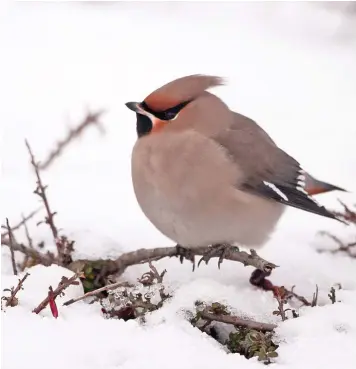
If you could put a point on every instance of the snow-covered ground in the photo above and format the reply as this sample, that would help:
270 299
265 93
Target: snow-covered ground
289 66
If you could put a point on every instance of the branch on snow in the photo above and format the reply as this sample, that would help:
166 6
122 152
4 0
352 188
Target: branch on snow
118 266
236 321
12 300
52 294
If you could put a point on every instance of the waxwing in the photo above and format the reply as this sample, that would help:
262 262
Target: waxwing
205 175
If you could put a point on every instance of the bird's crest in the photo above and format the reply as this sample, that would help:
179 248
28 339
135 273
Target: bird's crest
180 90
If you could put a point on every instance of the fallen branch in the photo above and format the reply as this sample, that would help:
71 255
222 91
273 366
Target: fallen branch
52 294
11 245
12 299
236 321
90 119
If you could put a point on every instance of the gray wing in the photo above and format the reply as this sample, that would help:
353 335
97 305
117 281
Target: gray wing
268 171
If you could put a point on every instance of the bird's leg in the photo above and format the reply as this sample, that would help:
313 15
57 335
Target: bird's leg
220 250
184 253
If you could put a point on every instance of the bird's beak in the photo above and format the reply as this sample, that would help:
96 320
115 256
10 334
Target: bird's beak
135 106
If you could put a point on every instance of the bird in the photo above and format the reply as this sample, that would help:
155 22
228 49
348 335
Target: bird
205 175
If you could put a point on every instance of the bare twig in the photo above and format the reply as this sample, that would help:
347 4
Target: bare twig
90 119
96 292
29 239
45 259
299 297
23 221
11 245
332 295
63 284
236 321
25 262
12 299
64 257
348 214
41 192
315 297
280 293
347 248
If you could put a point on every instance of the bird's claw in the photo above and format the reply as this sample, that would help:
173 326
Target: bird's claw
184 253
220 250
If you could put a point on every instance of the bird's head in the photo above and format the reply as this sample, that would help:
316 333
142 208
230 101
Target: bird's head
180 104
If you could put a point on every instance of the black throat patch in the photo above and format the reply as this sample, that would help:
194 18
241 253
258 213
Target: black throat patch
143 125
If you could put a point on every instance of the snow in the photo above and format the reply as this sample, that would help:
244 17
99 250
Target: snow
289 66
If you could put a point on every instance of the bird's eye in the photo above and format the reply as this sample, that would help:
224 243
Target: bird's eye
169 115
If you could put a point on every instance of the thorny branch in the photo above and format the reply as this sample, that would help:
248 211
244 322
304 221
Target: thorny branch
90 119
119 265
12 299
41 192
52 294
128 259
64 246
11 245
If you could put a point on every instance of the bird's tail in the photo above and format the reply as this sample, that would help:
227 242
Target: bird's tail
315 187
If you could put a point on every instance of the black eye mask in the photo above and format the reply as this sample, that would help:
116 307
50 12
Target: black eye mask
168 114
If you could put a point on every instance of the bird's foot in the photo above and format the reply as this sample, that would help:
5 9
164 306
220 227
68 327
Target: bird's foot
258 279
184 253
219 250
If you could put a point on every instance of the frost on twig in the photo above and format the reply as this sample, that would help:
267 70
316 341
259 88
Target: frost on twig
135 301
59 291
12 300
